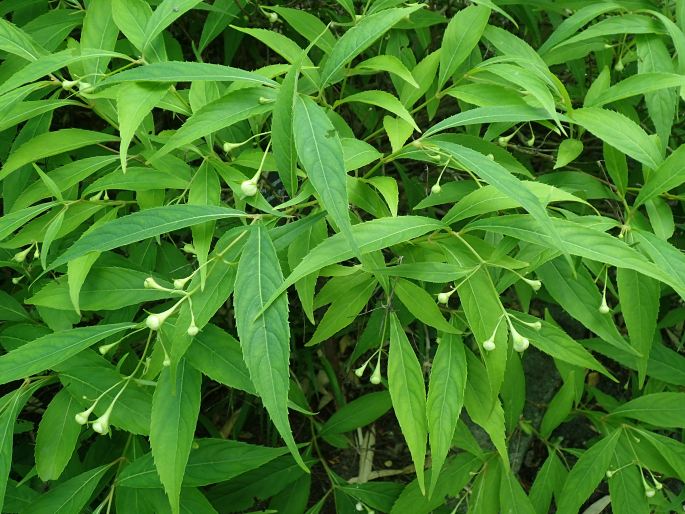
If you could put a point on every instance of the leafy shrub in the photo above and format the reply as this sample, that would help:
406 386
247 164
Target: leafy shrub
342 256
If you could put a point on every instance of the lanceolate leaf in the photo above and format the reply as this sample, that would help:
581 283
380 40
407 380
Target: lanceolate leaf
70 496
631 139
214 460
142 225
370 236
359 38
175 408
52 143
586 474
445 400
320 151
408 393
174 71
134 103
265 338
52 349
57 436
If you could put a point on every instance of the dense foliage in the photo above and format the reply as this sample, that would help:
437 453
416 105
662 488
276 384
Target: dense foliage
342 256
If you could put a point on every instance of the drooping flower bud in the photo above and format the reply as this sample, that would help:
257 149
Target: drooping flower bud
443 298
534 284
650 493
68 84
273 17
376 376
249 187
101 425
180 283
154 321
21 256
82 417
435 189
193 330
227 147
604 307
489 345
151 283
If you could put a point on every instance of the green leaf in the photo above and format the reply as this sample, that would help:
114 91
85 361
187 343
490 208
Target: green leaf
134 102
205 189
344 310
70 496
421 305
282 136
265 338
388 63
358 413
17 42
576 293
174 71
308 25
218 355
669 175
52 143
11 309
52 349
559 406
383 100
586 474
585 241
490 114
630 139
627 490
57 435
98 32
513 499
460 38
556 343
548 481
175 408
408 393
658 409
210 462
143 225
320 151
488 199
359 38
12 404
569 151
370 236
498 176
224 112
163 16
104 288
11 222
645 82
445 400
639 298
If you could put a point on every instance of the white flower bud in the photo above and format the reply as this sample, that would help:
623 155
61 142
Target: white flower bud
193 330
491 157
359 507
534 284
166 362
180 283
153 322
101 426
536 325
435 189
360 370
604 307
521 345
231 146
82 417
609 473
489 345
649 492
503 141
376 376
443 298
273 17
248 187
85 87
21 256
